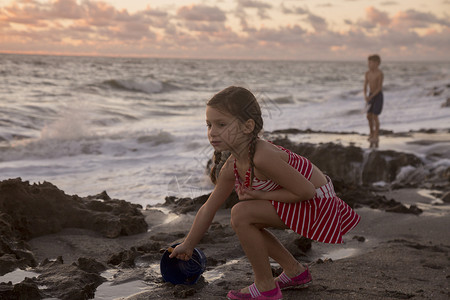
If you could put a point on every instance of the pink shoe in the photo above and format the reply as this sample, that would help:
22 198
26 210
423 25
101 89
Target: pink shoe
274 294
297 282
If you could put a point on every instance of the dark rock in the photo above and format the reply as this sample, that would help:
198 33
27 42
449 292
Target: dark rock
27 289
185 205
446 197
385 165
90 265
298 246
29 211
57 280
446 103
304 244
359 238
339 162
324 261
102 196
124 259
400 208
68 282
183 291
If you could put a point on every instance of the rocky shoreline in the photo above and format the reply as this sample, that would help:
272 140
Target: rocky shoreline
74 244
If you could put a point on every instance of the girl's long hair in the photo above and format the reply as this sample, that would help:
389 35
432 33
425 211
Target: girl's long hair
239 102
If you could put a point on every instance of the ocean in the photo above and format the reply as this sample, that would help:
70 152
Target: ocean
135 127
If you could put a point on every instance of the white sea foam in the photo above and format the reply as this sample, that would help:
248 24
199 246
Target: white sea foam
136 128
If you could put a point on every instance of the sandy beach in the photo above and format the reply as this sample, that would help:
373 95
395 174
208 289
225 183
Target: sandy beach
389 255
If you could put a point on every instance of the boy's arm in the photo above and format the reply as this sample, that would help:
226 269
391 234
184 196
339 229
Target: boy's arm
366 82
378 85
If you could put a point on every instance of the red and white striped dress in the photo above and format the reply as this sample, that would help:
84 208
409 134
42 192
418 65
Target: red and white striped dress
324 218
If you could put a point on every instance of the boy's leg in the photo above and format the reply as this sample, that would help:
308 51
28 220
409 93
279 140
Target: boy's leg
248 219
371 124
376 124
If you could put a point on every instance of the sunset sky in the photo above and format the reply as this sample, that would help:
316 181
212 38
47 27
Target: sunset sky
236 29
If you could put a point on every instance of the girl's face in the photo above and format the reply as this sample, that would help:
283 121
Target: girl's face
225 132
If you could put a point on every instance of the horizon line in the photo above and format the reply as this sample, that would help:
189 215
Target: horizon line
203 58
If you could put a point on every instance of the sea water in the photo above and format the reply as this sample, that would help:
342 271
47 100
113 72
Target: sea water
135 127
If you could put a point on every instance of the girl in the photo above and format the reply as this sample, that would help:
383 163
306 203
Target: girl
276 188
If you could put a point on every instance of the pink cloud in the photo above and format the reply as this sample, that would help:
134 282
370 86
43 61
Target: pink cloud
67 9
377 17
416 19
91 26
201 13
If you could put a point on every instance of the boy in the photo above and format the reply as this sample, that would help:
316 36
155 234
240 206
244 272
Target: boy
374 101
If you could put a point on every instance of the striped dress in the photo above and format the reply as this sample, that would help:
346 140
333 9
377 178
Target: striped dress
324 218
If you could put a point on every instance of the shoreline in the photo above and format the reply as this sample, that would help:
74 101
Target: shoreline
379 259
389 255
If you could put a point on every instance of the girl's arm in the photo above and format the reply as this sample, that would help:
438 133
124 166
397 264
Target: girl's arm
206 213
271 163
280 195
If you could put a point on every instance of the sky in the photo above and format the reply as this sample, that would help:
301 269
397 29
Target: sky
413 30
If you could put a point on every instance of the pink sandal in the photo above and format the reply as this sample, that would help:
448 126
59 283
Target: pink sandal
297 282
274 294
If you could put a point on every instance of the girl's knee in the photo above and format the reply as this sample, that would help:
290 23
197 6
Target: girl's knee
239 214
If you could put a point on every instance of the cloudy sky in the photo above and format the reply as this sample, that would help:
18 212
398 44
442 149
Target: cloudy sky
236 29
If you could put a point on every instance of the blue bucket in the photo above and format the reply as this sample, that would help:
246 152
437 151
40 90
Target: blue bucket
179 271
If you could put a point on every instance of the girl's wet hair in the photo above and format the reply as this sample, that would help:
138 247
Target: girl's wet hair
241 103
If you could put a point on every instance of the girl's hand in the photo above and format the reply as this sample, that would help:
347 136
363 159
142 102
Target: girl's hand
182 252
244 193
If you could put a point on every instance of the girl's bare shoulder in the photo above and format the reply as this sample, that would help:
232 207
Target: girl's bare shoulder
267 151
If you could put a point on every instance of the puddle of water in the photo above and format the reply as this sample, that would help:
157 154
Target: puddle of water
212 275
216 273
340 253
109 291
170 216
17 276
436 207
428 194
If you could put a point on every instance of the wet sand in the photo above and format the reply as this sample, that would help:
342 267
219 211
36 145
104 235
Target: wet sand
387 256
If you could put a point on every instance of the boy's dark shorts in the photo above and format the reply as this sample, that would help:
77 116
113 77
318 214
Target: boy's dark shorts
376 104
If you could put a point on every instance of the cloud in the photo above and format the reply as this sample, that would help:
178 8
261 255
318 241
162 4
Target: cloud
260 6
201 13
280 36
294 10
67 9
200 30
415 19
388 3
64 20
377 17
317 22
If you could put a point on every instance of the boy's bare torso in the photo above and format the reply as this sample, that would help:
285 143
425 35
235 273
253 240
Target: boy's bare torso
374 79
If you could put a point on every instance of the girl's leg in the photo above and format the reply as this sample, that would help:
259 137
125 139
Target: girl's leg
281 255
248 218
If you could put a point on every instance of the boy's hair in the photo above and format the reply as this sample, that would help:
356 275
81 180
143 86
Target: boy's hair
375 58
241 103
